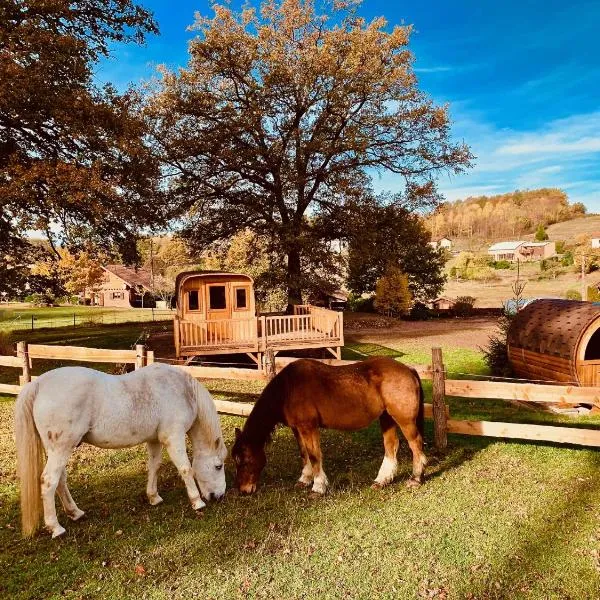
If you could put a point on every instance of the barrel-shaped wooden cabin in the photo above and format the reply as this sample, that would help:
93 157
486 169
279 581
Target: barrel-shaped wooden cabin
216 314
556 340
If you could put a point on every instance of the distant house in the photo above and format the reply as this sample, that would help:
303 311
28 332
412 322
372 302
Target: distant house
335 300
596 240
523 251
442 303
125 287
442 242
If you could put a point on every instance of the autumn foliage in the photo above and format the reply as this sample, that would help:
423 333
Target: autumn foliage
503 216
280 117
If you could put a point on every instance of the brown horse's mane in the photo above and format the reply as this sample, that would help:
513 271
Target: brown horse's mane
267 412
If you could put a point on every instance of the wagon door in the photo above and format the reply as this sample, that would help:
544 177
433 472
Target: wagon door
218 310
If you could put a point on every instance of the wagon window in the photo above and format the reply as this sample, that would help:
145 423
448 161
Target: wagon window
241 298
592 350
193 300
217 297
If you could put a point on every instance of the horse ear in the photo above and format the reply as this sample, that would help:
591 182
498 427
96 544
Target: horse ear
238 432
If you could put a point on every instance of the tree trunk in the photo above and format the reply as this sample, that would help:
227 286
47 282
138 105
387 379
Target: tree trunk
293 280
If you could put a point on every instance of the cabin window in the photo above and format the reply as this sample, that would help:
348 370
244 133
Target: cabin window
193 300
217 300
118 295
241 298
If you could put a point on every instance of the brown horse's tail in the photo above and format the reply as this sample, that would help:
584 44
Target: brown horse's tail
421 413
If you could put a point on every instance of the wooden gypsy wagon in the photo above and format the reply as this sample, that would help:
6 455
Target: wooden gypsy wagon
216 314
556 340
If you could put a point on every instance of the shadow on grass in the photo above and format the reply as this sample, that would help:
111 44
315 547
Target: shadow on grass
546 538
360 351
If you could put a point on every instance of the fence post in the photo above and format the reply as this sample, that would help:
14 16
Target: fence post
23 354
270 368
140 351
149 357
176 334
440 424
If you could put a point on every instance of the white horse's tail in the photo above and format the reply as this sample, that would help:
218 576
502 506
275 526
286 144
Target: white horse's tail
29 460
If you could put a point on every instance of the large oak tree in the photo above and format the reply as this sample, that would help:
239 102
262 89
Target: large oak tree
72 158
281 116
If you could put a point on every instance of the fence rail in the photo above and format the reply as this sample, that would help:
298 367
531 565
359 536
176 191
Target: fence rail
438 409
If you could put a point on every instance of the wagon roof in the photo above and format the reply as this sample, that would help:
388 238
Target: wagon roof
208 273
550 326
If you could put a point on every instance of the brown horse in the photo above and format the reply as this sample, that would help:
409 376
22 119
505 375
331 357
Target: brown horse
308 394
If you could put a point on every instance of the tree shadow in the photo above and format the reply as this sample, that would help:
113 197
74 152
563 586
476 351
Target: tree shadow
519 573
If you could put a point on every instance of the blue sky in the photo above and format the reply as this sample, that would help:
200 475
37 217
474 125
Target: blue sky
522 79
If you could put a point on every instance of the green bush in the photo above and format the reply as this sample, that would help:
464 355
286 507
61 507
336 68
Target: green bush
420 312
501 264
567 260
540 234
593 295
560 247
360 304
496 352
572 295
463 307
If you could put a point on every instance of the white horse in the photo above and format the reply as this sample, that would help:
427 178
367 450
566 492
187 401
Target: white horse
158 405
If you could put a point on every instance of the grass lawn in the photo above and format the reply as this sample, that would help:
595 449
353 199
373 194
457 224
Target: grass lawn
494 520
25 317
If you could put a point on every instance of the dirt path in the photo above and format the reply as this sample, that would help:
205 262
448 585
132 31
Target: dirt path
460 333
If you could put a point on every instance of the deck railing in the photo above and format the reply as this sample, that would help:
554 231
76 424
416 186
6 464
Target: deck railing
312 325
219 332
318 323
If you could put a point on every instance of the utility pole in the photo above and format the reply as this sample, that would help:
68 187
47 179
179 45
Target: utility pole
583 286
151 264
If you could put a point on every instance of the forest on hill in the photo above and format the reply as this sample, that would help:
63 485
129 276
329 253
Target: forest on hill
503 216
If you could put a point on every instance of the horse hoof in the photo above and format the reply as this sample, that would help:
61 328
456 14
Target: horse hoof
155 500
376 485
303 484
316 495
58 531
76 515
413 483
198 504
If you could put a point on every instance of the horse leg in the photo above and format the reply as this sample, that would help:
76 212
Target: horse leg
310 438
55 465
72 510
415 441
306 477
389 466
154 460
176 449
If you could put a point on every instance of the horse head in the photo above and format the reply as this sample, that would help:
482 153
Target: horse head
250 460
208 470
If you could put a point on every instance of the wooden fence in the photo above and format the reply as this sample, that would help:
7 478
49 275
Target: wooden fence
438 409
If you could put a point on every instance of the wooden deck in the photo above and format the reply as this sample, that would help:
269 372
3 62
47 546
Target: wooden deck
310 327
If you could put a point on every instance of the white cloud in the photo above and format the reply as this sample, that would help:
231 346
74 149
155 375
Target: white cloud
578 134
433 69
563 153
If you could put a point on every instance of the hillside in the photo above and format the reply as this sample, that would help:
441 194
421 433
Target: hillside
478 220
571 229
494 293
